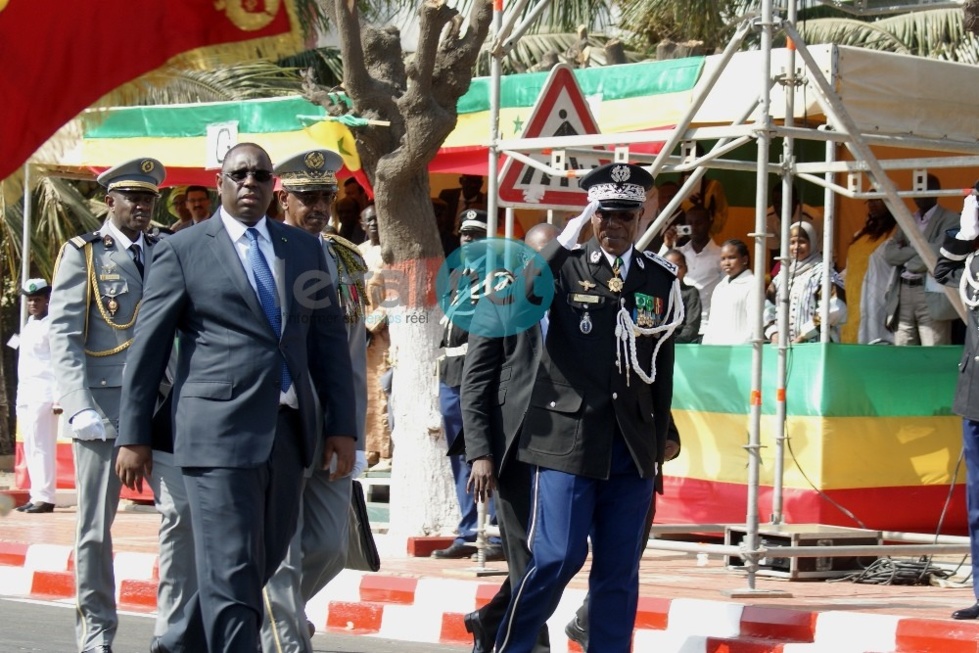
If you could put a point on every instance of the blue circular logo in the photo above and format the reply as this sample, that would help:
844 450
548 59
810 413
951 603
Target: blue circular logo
494 287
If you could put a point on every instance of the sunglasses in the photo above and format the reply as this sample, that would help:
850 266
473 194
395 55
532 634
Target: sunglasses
238 176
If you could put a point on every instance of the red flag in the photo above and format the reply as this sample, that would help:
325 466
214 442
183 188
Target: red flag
60 57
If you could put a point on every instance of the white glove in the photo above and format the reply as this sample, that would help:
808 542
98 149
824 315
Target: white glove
569 237
87 425
969 219
360 464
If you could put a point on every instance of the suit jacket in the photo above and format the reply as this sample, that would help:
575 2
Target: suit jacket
95 295
900 254
227 384
951 265
496 386
580 397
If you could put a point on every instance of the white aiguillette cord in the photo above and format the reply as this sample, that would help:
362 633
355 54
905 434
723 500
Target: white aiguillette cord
626 331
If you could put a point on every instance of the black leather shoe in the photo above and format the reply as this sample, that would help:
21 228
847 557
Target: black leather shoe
40 507
493 552
104 648
972 612
576 633
156 646
457 550
24 506
482 640
310 628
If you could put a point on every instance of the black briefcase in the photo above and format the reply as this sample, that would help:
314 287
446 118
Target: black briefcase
362 551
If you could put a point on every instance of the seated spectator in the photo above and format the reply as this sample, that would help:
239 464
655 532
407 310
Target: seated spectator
805 277
690 331
867 276
733 306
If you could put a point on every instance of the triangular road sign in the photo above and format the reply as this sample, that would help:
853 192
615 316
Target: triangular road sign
561 110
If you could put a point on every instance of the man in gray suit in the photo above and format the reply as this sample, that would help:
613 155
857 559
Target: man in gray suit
259 331
918 312
98 287
319 548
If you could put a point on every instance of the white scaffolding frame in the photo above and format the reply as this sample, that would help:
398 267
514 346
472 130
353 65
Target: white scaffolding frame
839 130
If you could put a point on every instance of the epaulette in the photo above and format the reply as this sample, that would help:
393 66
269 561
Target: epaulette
358 259
656 258
79 241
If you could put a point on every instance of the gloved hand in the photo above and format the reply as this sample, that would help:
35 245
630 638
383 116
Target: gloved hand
87 425
360 464
569 237
969 219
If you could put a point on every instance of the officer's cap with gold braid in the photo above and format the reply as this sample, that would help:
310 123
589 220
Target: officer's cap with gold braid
617 186
310 170
137 175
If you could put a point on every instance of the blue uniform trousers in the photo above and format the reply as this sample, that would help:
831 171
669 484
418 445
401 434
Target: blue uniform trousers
970 446
567 510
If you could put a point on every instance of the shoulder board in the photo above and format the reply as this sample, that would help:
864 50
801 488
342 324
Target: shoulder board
343 243
656 258
79 241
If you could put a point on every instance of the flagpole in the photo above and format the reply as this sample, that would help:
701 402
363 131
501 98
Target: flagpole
25 243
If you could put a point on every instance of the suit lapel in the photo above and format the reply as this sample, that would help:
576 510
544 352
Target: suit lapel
227 256
636 272
285 268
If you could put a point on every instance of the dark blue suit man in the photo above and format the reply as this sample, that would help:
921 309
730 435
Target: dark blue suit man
596 428
259 330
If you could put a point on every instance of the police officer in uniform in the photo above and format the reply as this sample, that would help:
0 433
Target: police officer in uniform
98 285
37 416
318 551
596 428
958 266
455 344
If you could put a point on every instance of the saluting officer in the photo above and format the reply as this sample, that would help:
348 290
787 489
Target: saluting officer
98 286
318 550
596 427
958 267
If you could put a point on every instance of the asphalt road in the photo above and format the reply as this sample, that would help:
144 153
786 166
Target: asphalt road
49 627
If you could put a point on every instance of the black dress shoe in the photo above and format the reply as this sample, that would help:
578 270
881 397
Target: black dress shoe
104 648
482 640
457 550
576 633
24 506
156 646
39 507
492 553
972 612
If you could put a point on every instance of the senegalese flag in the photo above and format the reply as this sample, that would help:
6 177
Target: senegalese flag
872 438
60 57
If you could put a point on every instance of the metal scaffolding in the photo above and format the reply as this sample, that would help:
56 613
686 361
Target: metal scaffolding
758 125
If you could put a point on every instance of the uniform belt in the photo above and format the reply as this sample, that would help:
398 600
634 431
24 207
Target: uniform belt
457 351
913 282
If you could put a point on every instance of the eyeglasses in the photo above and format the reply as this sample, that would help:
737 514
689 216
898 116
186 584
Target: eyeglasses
239 176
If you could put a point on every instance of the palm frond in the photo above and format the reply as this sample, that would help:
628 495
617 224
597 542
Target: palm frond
847 31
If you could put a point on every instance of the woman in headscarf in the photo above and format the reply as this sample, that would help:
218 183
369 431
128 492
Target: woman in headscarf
805 272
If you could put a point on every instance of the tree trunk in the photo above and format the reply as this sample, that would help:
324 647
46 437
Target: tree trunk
418 99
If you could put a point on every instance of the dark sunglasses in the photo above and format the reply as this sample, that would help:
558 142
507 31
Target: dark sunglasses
622 217
238 176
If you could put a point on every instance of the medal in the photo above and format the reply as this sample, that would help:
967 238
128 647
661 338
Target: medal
615 284
112 305
108 241
585 325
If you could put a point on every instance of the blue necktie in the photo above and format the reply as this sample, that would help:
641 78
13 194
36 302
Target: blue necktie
265 283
